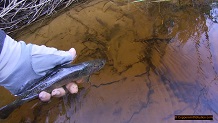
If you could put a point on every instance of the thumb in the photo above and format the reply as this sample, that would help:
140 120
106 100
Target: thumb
72 51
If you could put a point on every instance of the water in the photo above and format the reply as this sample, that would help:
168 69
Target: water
161 61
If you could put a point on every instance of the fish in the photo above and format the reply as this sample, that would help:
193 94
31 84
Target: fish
57 77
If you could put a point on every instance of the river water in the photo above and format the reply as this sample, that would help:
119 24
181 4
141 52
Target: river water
161 61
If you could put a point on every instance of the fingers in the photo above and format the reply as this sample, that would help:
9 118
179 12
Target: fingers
44 96
58 92
73 52
72 87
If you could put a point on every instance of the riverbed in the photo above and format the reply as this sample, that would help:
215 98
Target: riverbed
161 58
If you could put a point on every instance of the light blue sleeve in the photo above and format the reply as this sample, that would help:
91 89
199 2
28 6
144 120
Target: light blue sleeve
2 39
45 58
20 63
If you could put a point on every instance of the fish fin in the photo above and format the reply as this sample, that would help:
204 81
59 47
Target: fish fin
5 111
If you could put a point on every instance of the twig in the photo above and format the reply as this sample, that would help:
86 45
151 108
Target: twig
16 14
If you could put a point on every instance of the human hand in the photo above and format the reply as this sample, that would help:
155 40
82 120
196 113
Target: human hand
59 92
22 64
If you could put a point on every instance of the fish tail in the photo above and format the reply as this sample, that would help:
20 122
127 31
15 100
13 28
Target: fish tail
6 110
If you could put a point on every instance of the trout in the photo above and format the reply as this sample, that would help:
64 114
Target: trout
57 77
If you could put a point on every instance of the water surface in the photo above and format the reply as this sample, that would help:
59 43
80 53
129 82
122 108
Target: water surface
161 61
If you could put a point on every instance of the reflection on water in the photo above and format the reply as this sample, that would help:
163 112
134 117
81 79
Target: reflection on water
161 61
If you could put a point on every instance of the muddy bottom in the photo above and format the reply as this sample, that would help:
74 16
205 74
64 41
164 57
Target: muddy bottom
161 61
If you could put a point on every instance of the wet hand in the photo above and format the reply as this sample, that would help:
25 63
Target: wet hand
59 92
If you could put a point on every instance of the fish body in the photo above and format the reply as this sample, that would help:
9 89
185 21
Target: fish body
58 77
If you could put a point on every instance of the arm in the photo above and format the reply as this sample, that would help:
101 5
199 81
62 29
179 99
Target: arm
21 62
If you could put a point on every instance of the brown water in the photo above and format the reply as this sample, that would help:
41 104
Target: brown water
161 61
